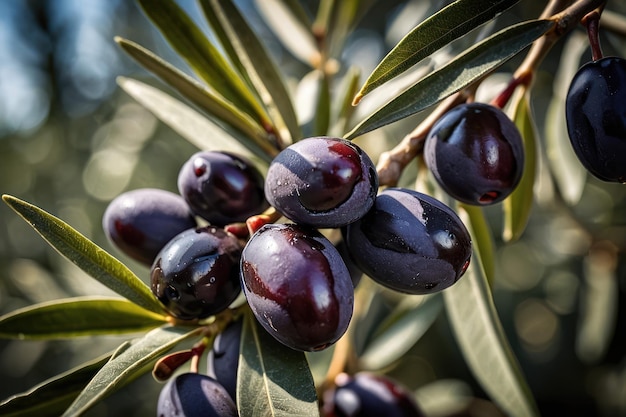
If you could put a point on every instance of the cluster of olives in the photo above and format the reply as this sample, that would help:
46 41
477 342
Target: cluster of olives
194 266
297 283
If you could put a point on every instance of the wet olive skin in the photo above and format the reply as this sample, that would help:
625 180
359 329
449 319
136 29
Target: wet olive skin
476 153
140 222
196 274
595 111
410 242
221 187
297 286
194 395
368 395
322 182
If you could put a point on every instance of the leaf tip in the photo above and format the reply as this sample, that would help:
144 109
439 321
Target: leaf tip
357 99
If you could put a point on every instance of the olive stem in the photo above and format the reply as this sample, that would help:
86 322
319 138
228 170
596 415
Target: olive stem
254 223
391 163
592 23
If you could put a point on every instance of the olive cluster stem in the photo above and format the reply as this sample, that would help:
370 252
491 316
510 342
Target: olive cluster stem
566 16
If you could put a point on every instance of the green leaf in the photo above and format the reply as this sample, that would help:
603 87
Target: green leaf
567 171
202 56
478 331
465 69
52 397
482 238
399 333
207 100
441 28
322 108
257 63
91 258
79 316
517 206
192 125
128 365
292 26
273 380
344 110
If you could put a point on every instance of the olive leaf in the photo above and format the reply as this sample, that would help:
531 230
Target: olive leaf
53 396
567 171
517 206
400 331
193 126
342 110
78 316
207 100
441 28
203 57
482 238
479 334
468 67
133 362
249 51
272 380
88 256
292 26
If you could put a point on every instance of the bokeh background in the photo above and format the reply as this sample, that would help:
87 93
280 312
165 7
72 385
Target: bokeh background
71 140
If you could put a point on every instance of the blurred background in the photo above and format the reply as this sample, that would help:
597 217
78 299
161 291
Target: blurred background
71 141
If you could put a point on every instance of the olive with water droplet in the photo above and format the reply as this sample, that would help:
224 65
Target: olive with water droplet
197 273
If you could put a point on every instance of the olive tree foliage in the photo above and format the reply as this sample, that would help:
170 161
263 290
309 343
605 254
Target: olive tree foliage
233 95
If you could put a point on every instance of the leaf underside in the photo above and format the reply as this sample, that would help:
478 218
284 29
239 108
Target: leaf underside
479 334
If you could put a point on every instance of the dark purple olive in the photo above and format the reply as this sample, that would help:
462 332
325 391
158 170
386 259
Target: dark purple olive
595 110
297 286
368 395
222 187
141 222
410 242
322 182
197 273
476 153
195 395
223 358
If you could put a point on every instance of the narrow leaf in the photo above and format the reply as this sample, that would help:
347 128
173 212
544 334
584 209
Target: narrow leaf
344 110
482 239
292 27
202 56
517 206
80 316
567 171
322 109
273 380
400 333
52 397
192 125
478 331
441 28
206 99
466 68
92 259
256 62
128 365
